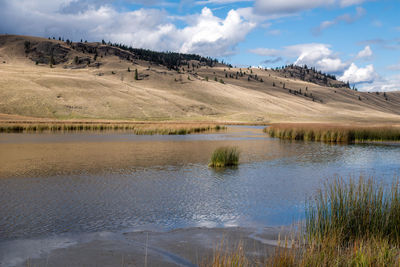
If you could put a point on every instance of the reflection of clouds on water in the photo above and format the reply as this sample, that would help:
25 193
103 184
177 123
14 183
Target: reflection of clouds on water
122 183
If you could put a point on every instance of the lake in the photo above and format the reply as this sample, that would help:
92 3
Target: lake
52 184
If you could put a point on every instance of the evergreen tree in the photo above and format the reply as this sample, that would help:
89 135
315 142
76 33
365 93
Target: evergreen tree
136 75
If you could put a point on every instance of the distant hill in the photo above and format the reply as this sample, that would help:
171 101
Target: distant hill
56 52
312 75
42 78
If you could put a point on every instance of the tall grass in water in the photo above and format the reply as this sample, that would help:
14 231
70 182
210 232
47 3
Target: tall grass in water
224 157
139 129
332 133
353 223
355 211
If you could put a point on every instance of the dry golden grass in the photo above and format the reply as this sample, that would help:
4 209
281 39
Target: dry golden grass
334 133
160 94
139 129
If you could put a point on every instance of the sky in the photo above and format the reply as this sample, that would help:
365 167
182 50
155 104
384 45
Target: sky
357 40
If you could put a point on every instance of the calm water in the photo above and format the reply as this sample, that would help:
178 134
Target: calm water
73 183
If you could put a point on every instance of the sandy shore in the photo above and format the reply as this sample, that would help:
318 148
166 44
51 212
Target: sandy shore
182 247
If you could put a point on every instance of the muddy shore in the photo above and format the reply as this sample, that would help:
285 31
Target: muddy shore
181 247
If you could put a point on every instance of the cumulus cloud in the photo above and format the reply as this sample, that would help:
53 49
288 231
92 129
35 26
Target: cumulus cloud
210 33
356 75
319 56
203 33
383 84
323 58
312 54
365 54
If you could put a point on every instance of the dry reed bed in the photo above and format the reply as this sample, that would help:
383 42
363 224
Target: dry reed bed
139 129
349 223
334 133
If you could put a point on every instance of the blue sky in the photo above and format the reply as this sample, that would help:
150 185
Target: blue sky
357 40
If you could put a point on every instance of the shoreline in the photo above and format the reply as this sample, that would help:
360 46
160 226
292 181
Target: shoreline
180 247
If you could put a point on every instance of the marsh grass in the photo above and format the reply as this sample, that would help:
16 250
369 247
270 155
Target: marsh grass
138 129
332 133
225 257
355 210
225 157
348 223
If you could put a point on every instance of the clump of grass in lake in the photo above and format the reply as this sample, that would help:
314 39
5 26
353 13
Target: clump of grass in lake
139 129
225 157
332 133
355 223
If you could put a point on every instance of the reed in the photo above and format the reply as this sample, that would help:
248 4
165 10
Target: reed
139 129
225 157
332 133
355 211
354 223
224 257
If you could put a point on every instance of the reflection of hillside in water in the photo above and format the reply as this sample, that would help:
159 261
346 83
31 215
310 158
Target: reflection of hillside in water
53 184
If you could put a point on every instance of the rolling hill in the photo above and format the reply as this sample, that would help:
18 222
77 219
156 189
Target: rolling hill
42 78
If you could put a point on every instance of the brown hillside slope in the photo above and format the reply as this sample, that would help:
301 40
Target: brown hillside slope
105 89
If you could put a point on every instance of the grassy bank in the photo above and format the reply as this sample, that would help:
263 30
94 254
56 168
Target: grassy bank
354 223
225 157
332 133
139 129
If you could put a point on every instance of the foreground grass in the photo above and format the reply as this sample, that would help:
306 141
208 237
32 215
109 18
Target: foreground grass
139 129
331 133
225 157
353 223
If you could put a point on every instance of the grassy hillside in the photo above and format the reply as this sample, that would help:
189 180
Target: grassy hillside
77 86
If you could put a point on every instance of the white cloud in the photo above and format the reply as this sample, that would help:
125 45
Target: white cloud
213 35
356 75
365 54
315 55
383 84
204 33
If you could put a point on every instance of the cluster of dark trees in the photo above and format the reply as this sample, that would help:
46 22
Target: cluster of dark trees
311 75
171 60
